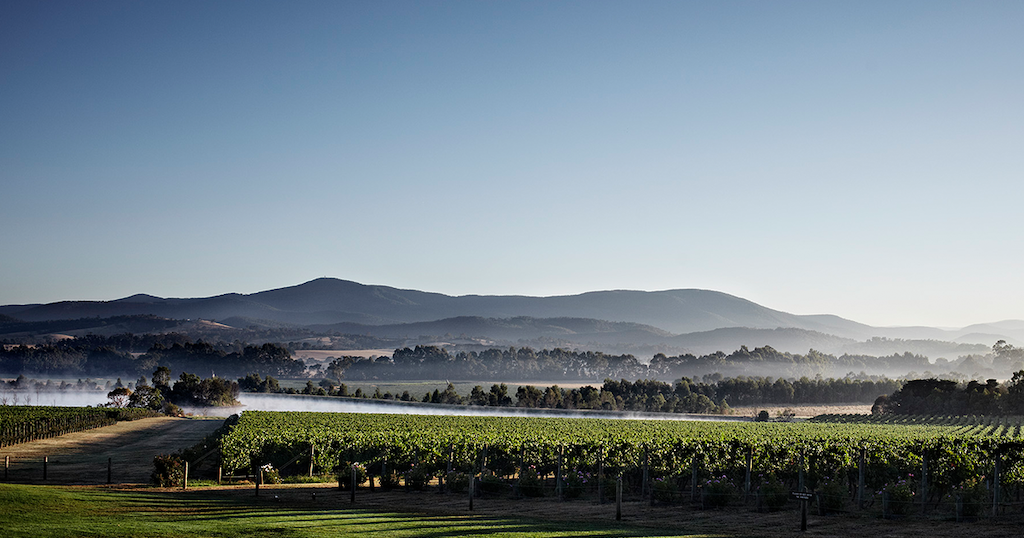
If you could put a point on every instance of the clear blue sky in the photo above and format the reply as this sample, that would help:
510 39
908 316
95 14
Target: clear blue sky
858 158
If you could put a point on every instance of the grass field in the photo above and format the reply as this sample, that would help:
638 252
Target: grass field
35 511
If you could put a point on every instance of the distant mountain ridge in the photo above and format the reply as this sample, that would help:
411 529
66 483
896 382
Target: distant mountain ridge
678 318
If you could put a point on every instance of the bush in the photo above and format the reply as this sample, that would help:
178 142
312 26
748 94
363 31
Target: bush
832 494
345 475
270 474
774 494
901 496
530 485
974 497
169 471
664 490
456 482
718 492
489 483
574 483
418 477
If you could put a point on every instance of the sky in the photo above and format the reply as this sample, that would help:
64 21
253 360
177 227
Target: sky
863 159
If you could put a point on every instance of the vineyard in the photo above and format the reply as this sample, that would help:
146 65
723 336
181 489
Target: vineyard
20 424
940 455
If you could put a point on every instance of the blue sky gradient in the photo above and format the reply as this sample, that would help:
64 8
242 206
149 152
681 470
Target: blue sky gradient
857 158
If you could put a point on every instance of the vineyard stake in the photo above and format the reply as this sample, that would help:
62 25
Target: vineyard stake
558 475
110 469
860 480
7 466
259 480
472 487
924 481
693 479
647 472
220 473
184 477
618 498
46 461
995 487
312 451
353 482
746 481
600 476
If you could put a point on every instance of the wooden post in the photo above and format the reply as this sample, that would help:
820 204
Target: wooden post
995 487
353 482
693 479
750 467
220 473
558 476
600 476
924 482
618 498
803 513
7 466
647 473
312 451
472 488
184 477
800 479
259 480
860 480
110 470
46 461
885 504
522 469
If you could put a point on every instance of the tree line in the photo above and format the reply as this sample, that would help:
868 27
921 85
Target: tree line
683 396
98 356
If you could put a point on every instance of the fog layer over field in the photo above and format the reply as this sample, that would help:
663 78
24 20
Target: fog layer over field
287 402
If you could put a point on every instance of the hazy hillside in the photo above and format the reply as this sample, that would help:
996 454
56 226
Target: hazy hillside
692 320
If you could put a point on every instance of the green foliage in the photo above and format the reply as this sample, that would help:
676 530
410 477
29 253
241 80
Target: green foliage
718 492
900 495
530 484
169 471
774 494
456 482
665 490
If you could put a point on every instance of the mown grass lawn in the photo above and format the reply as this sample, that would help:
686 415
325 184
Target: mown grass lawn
40 511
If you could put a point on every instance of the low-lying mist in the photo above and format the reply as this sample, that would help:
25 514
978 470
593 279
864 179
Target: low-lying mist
323 404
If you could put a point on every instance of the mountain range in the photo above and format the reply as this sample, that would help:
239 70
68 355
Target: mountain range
673 321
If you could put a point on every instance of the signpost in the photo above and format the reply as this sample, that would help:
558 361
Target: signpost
803 497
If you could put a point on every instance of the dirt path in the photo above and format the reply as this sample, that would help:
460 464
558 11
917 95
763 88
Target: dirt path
81 458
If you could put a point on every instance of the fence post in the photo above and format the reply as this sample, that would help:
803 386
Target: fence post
558 476
312 451
472 488
600 476
693 479
184 477
353 483
647 472
860 480
750 467
924 481
46 461
995 487
800 476
618 498
7 466
220 473
259 480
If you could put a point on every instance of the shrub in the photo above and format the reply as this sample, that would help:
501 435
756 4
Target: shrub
718 492
169 471
973 495
530 484
345 475
418 477
573 484
901 496
489 483
832 494
270 474
456 482
664 490
774 494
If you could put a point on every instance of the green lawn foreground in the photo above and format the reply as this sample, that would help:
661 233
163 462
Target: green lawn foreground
41 511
